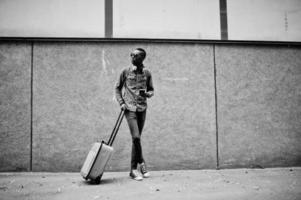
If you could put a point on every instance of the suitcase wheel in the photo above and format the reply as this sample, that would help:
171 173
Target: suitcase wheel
97 180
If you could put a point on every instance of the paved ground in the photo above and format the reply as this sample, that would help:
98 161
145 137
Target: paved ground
255 184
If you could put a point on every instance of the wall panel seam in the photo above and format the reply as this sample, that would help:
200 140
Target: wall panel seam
31 106
216 113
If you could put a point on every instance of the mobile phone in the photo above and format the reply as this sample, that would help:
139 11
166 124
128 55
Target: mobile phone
142 92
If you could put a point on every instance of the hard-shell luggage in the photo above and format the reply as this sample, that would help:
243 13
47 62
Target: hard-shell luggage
99 155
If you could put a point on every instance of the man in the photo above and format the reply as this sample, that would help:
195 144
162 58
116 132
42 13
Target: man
137 85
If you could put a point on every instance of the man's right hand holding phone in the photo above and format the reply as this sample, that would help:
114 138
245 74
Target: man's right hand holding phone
143 93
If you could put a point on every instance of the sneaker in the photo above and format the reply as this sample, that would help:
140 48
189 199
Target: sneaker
134 174
144 171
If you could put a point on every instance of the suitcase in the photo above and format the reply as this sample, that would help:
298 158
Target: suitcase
99 155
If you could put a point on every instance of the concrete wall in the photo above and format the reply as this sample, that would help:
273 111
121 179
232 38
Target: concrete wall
15 72
73 105
258 105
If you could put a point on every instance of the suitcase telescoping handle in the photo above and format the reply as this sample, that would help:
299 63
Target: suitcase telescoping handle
116 128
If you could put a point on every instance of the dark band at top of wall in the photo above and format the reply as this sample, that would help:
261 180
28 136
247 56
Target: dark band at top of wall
108 18
223 18
148 40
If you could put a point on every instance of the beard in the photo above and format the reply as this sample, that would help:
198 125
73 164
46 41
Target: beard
136 62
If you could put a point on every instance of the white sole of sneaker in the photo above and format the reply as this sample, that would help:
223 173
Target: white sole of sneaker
137 179
146 176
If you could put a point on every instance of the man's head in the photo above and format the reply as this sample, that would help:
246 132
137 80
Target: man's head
137 56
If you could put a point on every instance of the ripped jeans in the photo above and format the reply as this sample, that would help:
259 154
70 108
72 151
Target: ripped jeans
136 122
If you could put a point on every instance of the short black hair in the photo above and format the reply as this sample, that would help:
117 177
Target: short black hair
143 51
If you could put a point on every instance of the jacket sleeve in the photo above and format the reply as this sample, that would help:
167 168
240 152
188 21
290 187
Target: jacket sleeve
118 88
150 86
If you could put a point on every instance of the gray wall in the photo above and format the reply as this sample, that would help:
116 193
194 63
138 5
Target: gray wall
15 95
258 105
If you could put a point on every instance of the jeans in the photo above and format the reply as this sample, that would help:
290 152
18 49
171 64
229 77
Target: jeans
136 122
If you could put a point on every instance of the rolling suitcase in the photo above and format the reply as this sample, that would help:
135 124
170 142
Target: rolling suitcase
99 155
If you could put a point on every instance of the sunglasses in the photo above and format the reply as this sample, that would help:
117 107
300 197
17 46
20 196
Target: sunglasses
133 55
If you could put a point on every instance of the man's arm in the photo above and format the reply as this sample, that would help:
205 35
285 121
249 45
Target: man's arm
150 87
118 88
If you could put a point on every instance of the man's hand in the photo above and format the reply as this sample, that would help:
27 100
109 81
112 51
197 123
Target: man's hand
123 106
148 94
